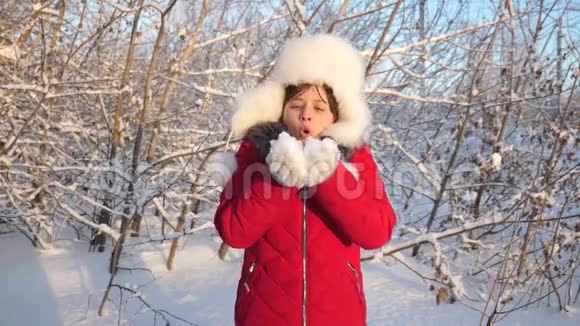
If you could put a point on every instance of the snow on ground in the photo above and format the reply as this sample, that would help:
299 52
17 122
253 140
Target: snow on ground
64 286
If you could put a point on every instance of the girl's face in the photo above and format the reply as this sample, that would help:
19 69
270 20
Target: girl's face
308 113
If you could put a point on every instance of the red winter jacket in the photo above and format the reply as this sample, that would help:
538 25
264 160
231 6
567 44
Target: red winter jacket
266 219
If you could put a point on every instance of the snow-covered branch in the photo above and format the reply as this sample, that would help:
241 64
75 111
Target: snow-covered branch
98 227
391 92
174 235
124 9
431 40
231 34
425 172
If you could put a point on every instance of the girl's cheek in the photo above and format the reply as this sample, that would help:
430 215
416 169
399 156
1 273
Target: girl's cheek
295 131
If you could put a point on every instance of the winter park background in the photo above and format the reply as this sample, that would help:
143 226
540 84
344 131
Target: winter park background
111 109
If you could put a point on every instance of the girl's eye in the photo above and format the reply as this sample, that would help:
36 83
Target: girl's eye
319 109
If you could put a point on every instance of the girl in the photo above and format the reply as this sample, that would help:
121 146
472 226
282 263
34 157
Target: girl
304 194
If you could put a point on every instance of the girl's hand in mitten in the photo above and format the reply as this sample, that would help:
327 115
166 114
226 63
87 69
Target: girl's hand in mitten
286 161
322 157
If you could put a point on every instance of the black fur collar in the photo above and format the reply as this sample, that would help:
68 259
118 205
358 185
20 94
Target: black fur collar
261 134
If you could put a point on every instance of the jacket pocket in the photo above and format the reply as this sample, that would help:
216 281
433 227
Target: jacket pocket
246 283
246 289
357 283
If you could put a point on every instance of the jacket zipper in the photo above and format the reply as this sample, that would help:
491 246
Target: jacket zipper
247 279
304 243
356 277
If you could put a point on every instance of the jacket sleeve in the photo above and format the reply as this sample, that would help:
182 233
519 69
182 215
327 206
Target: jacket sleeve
247 206
358 207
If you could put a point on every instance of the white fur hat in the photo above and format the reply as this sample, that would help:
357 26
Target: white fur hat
316 59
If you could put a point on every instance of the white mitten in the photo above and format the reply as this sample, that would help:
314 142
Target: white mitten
286 161
322 158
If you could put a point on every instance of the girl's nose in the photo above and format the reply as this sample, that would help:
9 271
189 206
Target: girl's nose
305 115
